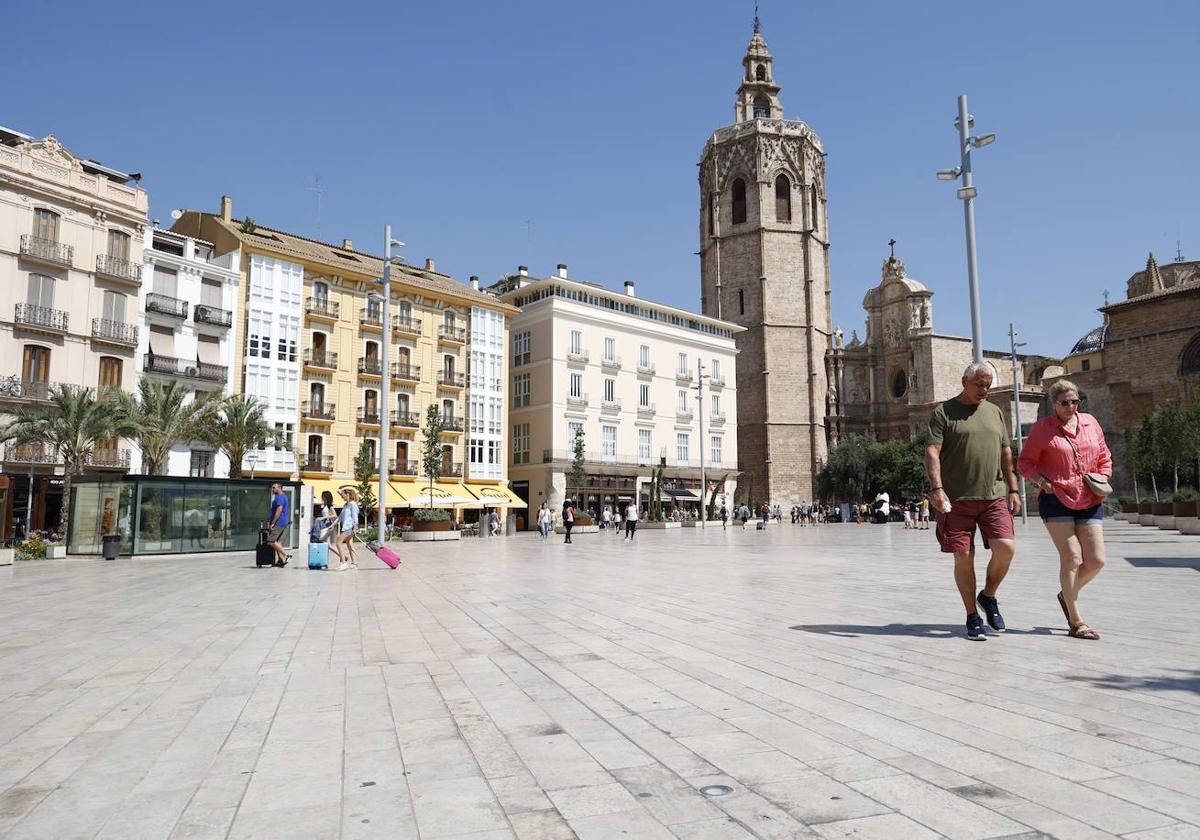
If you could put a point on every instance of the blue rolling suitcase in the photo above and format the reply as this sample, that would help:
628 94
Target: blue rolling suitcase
318 555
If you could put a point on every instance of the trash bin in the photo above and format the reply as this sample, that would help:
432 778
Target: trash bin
111 544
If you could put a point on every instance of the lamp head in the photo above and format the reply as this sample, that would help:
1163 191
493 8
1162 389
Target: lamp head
983 140
967 192
396 243
948 174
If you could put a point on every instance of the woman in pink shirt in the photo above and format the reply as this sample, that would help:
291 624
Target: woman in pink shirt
1061 448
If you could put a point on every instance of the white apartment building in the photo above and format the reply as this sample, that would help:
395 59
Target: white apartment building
188 309
71 234
626 371
486 416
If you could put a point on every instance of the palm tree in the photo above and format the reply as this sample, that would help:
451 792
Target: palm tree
74 425
163 420
238 425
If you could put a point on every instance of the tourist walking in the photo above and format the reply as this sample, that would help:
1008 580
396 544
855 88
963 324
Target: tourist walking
972 484
329 523
907 510
494 523
347 526
724 517
631 521
543 521
1067 457
568 519
277 523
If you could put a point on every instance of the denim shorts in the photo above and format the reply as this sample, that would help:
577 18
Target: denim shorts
1053 510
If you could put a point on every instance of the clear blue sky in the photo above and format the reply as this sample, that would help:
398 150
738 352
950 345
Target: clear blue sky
458 122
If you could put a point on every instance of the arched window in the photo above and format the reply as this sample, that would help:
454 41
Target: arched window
372 352
760 73
447 460
816 218
762 107
1189 359
35 366
320 293
316 448
739 201
447 409
402 404
783 199
316 394
110 372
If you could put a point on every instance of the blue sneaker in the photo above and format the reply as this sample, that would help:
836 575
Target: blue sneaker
991 608
975 628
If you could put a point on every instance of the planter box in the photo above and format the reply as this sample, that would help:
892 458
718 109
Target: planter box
1188 524
444 535
690 523
6 556
1164 515
659 526
436 525
57 551
578 529
1145 513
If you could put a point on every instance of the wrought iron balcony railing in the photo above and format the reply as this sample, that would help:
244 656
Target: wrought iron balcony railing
405 467
452 424
214 315
454 470
450 379
116 332
31 453
17 389
119 268
46 250
319 307
41 317
117 459
454 334
166 305
321 359
368 416
370 318
185 367
412 326
317 463
409 419
409 373
370 367
318 410
717 380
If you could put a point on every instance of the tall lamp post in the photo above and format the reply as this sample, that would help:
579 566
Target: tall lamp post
1013 345
700 377
385 420
967 193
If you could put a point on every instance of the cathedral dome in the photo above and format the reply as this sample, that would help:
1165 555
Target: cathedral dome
1092 341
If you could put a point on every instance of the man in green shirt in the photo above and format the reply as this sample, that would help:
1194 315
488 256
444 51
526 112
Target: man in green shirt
970 467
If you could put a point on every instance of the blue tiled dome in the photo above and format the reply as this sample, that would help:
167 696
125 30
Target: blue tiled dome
1092 341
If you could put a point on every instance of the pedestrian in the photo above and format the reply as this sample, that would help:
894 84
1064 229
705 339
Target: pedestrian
724 517
329 523
1067 457
907 508
631 521
568 519
972 484
277 523
347 526
924 511
543 521
605 518
494 523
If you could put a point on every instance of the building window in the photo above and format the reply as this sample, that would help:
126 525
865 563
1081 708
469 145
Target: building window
741 301
576 342
1189 359
715 450
760 73
762 107
521 344
739 201
202 463
576 385
644 396
45 224
644 356
783 199
610 349
259 342
681 366
110 372
1086 364
118 245
712 214
288 431
681 402
816 224
40 291
114 307
320 294
448 411
681 448
520 390
520 445
643 447
716 370
35 365
573 429
716 405
608 442
448 320
289 336
610 390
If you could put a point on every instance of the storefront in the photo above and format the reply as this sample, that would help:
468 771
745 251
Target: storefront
168 515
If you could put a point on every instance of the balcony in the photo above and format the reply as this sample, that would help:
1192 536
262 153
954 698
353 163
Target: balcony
550 456
166 305
717 380
368 416
611 362
454 470
41 318
717 418
214 315
322 308
108 459
610 405
114 332
12 388
46 250
405 467
646 369
646 410
408 419
318 411
31 453
321 359
452 335
450 379
370 366
684 415
370 318
683 377
316 463
579 401
190 368
406 373
452 425
407 325
578 357
116 268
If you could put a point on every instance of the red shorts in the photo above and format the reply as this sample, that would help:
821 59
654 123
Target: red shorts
956 529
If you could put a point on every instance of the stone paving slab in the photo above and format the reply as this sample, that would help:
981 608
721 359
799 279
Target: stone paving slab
514 688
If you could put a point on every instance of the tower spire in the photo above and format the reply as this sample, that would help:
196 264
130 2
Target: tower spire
758 95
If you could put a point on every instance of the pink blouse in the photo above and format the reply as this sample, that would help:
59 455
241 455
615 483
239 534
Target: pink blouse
1048 453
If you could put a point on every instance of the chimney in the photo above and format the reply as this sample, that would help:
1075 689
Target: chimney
226 208
523 270
630 289
347 245
429 264
475 282
562 270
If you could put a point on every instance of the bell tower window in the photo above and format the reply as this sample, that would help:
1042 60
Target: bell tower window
760 73
762 107
739 201
783 199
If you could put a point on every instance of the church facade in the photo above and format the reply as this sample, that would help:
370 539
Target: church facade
764 257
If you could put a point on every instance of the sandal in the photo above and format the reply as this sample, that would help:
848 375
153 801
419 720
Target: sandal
1062 602
1082 631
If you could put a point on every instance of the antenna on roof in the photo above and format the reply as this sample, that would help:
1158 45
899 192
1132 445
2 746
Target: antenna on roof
320 191
1178 247
1106 297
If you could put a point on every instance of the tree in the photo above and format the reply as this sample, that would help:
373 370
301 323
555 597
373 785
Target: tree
712 499
74 425
1171 436
238 425
846 469
578 475
162 421
431 447
365 466
1148 454
1133 460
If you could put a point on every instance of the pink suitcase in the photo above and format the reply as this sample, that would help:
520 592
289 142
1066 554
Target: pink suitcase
384 553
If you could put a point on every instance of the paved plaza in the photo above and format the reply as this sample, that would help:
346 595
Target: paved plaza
513 688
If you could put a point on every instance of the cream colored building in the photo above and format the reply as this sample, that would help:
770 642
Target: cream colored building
70 273
624 370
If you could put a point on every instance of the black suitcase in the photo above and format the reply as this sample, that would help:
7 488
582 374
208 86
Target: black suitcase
264 555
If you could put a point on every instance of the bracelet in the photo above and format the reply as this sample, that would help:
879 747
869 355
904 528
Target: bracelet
1011 492
935 489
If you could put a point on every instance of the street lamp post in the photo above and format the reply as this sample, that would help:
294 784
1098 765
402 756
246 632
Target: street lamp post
1014 344
967 193
700 377
386 379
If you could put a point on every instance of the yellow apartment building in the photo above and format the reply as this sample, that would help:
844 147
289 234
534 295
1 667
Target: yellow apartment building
309 347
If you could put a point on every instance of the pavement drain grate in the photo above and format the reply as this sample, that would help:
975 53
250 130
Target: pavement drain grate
716 790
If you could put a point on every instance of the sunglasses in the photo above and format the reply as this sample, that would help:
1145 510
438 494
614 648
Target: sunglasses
1065 403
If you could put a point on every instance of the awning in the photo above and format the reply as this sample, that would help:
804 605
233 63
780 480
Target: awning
162 341
208 350
495 495
442 494
398 493
684 494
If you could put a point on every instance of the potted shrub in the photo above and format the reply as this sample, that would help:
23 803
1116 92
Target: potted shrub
1146 513
431 519
1128 509
1163 514
1186 508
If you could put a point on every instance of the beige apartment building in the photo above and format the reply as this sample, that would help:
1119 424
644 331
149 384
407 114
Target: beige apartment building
71 236
626 371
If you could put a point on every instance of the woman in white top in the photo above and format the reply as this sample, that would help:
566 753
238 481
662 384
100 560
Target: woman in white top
631 518
347 525
329 518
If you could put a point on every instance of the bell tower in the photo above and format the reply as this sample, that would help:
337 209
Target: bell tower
764 264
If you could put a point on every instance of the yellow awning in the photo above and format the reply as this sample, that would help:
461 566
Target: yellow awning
496 495
443 494
398 492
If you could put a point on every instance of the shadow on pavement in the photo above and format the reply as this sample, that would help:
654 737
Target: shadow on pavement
1164 562
925 631
1187 681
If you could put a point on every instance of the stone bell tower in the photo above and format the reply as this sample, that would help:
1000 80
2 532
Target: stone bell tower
764 264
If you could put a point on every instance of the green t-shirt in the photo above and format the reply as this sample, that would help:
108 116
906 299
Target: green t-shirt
971 437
